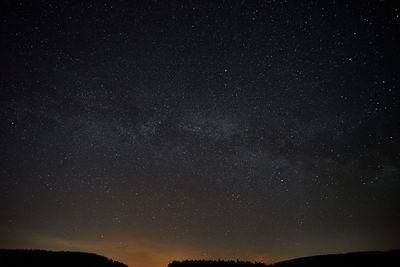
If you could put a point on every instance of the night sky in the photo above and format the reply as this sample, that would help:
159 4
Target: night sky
149 131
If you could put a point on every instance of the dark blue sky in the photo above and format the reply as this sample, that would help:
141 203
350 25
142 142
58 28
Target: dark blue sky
161 130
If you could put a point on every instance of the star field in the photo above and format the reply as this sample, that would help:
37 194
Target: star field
166 130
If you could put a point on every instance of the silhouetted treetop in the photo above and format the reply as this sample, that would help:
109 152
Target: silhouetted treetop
364 259
42 258
211 263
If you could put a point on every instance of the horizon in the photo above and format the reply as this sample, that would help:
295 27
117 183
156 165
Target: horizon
156 131
220 260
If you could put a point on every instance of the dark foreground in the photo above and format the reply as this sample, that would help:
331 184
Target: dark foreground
362 259
19 258
42 258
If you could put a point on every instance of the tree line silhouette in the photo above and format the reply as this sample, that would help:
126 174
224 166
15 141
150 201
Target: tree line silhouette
20 257
362 259
355 259
42 258
213 263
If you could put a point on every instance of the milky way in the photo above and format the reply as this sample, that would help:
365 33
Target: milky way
148 132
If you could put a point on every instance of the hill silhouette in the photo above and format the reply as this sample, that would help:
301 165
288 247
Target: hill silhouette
364 259
20 257
355 259
42 258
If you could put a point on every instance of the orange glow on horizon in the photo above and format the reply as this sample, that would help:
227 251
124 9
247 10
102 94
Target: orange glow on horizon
133 252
